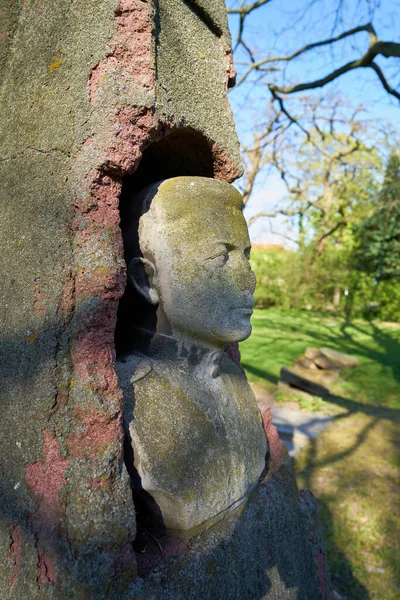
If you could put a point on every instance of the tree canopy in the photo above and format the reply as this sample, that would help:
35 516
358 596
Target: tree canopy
378 249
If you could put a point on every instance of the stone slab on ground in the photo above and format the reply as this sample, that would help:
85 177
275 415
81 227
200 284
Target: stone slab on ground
325 358
296 377
339 359
293 392
306 363
295 427
324 377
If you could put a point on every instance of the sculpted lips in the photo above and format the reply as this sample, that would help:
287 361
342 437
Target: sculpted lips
245 310
246 306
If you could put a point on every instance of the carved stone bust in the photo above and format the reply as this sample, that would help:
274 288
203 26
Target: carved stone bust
193 423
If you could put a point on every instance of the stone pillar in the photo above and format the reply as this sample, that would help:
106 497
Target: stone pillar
97 97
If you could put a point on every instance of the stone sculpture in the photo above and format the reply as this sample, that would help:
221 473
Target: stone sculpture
198 443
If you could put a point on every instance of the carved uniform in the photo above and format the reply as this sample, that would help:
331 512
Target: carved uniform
197 436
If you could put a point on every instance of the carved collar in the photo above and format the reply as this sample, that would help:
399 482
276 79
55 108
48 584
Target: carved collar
189 356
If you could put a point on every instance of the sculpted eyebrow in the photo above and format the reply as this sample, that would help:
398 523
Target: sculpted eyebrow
220 247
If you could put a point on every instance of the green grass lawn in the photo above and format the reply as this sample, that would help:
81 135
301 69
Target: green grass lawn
354 466
280 337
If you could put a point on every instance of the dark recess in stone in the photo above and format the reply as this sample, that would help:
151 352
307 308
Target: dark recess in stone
181 152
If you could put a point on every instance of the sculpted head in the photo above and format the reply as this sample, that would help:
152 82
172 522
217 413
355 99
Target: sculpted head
187 249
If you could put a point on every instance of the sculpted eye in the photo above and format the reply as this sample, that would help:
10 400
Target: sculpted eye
223 254
247 252
225 257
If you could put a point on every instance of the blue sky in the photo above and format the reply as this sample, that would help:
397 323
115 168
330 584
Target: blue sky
282 27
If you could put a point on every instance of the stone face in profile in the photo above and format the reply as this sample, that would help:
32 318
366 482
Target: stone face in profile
196 432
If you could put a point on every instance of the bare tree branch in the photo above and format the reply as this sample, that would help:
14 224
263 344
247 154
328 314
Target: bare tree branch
376 47
286 213
246 10
285 236
256 65
323 239
384 81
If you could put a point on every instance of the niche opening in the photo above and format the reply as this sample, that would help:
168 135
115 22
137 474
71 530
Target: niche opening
181 152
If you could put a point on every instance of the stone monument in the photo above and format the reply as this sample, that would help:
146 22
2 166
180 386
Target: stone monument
99 100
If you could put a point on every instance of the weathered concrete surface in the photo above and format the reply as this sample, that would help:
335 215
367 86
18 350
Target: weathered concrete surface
80 99
269 549
189 74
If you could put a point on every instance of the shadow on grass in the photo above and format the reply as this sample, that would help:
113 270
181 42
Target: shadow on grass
383 353
260 373
343 579
340 569
388 342
381 412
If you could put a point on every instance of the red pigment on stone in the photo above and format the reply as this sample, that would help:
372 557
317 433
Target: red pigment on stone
233 352
224 167
47 478
93 348
230 71
15 553
132 48
277 449
99 431
93 357
134 130
46 568
132 53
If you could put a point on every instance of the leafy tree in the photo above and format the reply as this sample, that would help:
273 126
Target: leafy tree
378 251
331 175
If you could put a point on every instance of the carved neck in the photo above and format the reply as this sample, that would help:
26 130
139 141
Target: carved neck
175 348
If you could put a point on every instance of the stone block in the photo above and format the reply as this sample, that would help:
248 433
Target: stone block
306 363
325 358
311 353
322 362
339 359
294 378
291 391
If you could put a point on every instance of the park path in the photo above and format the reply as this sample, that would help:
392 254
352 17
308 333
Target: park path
295 426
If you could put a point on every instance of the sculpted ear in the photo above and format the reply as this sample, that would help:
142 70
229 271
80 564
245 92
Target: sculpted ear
141 276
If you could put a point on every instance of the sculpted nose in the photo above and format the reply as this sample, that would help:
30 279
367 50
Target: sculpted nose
251 281
246 278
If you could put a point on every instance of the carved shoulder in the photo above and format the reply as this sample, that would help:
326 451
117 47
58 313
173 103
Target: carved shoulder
133 367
